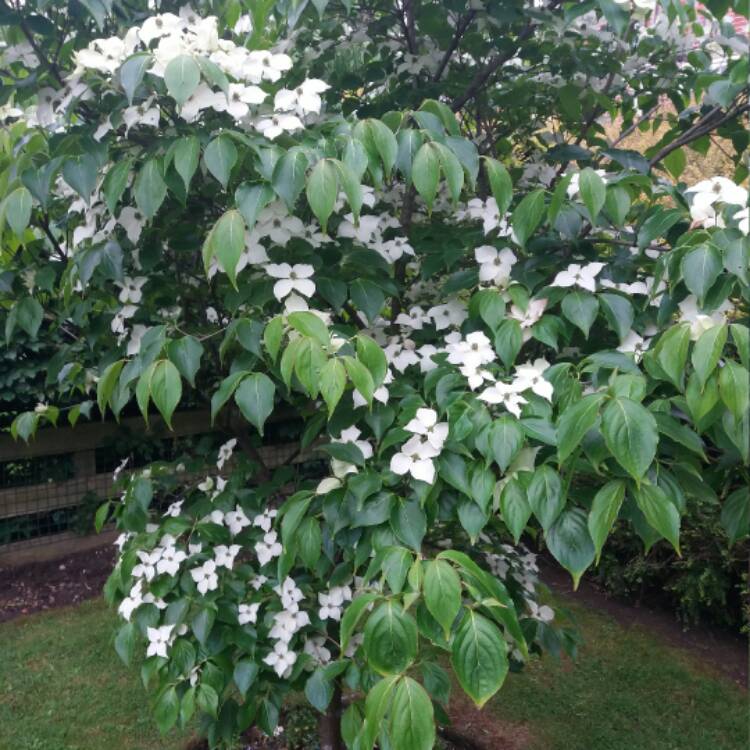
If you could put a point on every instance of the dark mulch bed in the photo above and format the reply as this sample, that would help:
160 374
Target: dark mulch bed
36 587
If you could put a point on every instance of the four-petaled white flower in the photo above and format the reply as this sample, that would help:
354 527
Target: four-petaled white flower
268 548
131 293
494 265
158 640
506 395
272 127
577 275
451 313
304 99
425 423
415 458
529 376
247 613
224 555
171 559
633 343
236 520
205 577
281 659
291 278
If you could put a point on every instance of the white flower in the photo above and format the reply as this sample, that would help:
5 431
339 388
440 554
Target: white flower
159 26
304 99
264 65
415 318
425 423
132 220
327 485
265 519
247 613
205 577
281 659
543 613
238 100
576 275
716 190
351 435
170 561
529 317
258 581
530 376
699 320
415 458
494 266
315 647
225 453
332 603
472 352
273 127
635 343
131 289
291 278
452 313
236 520
290 594
158 640
506 395
224 555
268 548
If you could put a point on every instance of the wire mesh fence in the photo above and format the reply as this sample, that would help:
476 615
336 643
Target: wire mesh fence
50 488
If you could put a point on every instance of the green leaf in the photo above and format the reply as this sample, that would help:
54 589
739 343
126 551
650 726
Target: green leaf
671 353
245 672
735 514
425 173
604 511
442 593
617 204
319 690
115 183
372 357
255 396
545 495
322 190
227 242
390 639
734 385
376 706
479 657
166 389
385 143
396 564
29 315
412 723
367 296
186 156
631 435
220 157
508 341
80 173
352 615
332 383
581 309
18 210
289 176
593 191
131 73
452 169
619 313
106 385
310 325
251 200
701 267
575 422
225 391
707 351
515 508
527 216
500 184
186 355
506 439
167 709
272 335
570 544
352 188
409 523
660 512
150 188
182 76
125 642
309 542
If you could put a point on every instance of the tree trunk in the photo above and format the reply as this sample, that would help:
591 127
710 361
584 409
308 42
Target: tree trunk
329 726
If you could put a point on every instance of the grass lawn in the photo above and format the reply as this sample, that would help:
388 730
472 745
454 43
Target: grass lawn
63 688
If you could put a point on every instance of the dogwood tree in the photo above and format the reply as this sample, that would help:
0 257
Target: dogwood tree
411 229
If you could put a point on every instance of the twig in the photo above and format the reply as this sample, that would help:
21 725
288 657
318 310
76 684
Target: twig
463 24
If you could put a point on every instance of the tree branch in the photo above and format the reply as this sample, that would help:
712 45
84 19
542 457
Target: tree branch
463 24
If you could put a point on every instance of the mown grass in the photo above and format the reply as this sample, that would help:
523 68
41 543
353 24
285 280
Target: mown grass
627 690
63 688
